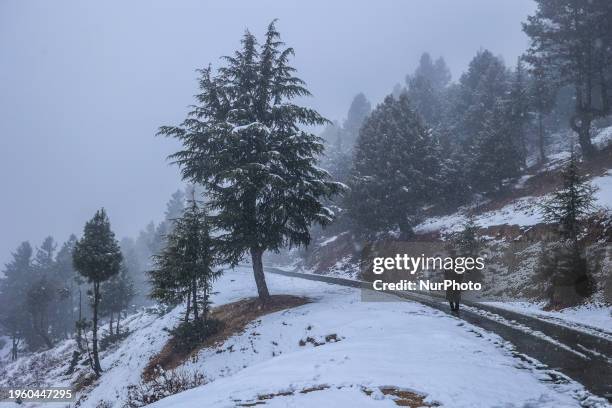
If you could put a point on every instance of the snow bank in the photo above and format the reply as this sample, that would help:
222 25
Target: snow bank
383 343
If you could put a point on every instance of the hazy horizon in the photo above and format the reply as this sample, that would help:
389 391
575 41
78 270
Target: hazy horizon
84 87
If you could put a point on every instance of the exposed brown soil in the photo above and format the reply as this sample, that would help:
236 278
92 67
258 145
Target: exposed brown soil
402 398
235 317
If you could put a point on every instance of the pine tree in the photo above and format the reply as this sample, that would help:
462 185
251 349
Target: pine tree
572 202
358 111
495 155
97 257
426 87
43 294
184 268
480 90
68 287
542 90
243 144
563 264
396 169
572 38
115 296
13 290
519 108
467 243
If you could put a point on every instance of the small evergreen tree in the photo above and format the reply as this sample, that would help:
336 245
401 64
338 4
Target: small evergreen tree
467 243
68 287
97 257
13 290
563 265
184 268
572 202
116 294
44 295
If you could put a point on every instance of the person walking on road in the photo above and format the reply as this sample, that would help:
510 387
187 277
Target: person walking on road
453 295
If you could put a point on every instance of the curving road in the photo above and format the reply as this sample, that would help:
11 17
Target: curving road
583 357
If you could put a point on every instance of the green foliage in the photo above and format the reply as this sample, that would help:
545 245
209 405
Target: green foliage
395 170
184 268
116 293
110 339
563 269
572 202
244 144
571 39
96 255
189 335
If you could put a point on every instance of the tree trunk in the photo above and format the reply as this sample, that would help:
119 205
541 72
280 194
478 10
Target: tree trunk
110 325
118 318
584 137
260 279
96 362
194 293
406 231
79 336
14 349
188 309
581 124
541 138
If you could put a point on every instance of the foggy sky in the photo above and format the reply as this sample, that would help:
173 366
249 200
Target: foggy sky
84 85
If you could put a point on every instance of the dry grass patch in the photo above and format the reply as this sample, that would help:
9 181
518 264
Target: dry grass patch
234 316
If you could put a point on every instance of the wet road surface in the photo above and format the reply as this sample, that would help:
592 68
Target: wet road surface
583 357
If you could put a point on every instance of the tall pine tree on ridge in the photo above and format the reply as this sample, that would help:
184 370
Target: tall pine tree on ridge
244 144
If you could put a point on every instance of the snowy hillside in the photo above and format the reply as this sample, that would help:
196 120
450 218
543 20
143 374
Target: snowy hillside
335 351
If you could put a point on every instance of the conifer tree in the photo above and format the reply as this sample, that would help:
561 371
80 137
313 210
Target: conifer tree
495 154
67 286
519 108
480 90
563 264
467 243
243 143
395 171
542 90
426 87
13 290
43 294
572 39
97 257
184 268
358 111
116 294
572 202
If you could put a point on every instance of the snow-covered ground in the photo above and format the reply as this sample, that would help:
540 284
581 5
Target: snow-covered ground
524 211
399 344
361 346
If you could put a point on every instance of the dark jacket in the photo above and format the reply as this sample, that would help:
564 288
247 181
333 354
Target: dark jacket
453 295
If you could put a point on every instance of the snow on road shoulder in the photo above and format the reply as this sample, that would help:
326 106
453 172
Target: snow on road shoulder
339 344
593 318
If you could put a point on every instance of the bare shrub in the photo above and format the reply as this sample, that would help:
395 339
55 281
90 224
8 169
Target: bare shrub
163 385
